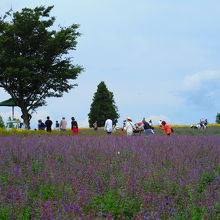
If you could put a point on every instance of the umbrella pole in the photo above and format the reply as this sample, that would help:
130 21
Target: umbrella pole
12 112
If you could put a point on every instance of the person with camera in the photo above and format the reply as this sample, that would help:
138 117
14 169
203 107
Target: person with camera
167 128
148 128
129 127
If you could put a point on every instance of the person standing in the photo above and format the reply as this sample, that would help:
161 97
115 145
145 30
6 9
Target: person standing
29 118
129 126
148 129
108 126
48 124
74 126
57 126
95 126
167 128
63 124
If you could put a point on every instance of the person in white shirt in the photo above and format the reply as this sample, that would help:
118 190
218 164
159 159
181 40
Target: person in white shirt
108 126
63 124
129 126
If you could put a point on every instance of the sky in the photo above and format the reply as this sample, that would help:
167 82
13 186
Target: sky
159 58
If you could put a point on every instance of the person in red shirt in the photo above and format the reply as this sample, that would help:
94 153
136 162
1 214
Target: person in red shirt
167 128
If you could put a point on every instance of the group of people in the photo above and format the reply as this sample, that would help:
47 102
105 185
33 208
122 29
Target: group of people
130 128
201 125
62 126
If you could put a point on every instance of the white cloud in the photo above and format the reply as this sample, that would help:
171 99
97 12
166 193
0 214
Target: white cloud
201 89
200 79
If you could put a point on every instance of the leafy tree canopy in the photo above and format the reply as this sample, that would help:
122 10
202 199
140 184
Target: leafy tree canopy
218 118
103 106
34 62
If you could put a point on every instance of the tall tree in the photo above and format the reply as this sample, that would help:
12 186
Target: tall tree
218 118
103 106
34 62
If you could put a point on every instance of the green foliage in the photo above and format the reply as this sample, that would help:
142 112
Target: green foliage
103 107
2 124
59 158
10 124
37 166
217 169
48 191
3 180
113 201
205 180
25 214
33 57
218 118
43 191
197 213
4 214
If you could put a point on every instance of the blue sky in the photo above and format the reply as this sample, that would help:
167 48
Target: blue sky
159 58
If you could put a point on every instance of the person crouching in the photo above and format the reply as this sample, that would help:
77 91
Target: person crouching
167 128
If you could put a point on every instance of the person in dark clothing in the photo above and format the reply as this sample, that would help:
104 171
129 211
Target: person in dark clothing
29 117
57 125
48 124
41 125
74 126
147 127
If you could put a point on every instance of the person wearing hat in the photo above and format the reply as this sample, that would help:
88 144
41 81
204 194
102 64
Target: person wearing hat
129 126
167 128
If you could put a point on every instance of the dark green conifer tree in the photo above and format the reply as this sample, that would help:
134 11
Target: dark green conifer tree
2 124
103 106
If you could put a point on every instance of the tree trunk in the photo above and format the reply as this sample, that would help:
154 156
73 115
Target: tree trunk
26 117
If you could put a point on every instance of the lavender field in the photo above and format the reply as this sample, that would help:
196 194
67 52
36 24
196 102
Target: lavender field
109 177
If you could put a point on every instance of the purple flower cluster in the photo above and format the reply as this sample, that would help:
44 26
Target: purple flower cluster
109 177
